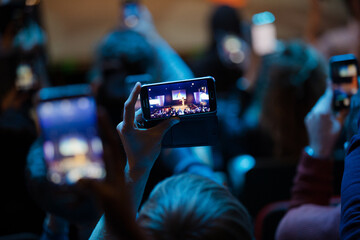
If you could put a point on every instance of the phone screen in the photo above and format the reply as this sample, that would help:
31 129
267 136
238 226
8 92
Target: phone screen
71 145
179 99
344 75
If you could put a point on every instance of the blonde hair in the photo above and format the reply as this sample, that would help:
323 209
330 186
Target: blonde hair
193 207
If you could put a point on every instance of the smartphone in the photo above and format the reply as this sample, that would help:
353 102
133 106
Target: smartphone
193 101
185 98
344 73
263 33
71 143
131 12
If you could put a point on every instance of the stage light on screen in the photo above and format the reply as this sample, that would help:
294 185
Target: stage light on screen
347 71
71 146
96 145
84 103
178 94
155 101
46 109
49 150
204 97
55 177
66 107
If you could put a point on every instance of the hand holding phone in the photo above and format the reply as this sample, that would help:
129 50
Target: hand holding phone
323 126
142 146
344 72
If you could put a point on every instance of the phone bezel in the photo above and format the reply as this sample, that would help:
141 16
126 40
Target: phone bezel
145 106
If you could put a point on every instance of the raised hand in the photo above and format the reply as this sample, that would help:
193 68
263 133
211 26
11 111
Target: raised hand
323 126
142 146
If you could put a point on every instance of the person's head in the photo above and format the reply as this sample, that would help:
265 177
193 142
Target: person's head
193 207
126 52
121 53
297 78
225 20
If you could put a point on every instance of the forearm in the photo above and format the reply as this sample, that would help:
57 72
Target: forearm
350 194
313 181
136 182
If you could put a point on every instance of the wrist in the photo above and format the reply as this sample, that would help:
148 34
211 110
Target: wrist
135 172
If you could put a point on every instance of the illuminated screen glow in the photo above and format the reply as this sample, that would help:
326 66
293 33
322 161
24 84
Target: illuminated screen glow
179 98
72 148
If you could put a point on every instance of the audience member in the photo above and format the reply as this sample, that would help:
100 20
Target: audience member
310 214
296 81
226 34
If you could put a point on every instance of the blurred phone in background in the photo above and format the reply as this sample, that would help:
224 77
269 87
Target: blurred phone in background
71 144
131 12
263 33
344 73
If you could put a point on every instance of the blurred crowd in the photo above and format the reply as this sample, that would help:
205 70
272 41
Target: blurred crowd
275 173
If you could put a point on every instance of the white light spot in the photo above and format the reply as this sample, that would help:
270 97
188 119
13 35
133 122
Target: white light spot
84 103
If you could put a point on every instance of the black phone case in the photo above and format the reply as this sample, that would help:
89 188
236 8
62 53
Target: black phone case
191 132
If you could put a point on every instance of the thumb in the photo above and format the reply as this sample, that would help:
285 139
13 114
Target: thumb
166 125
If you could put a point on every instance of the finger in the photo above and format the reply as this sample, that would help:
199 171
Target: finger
129 107
164 126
